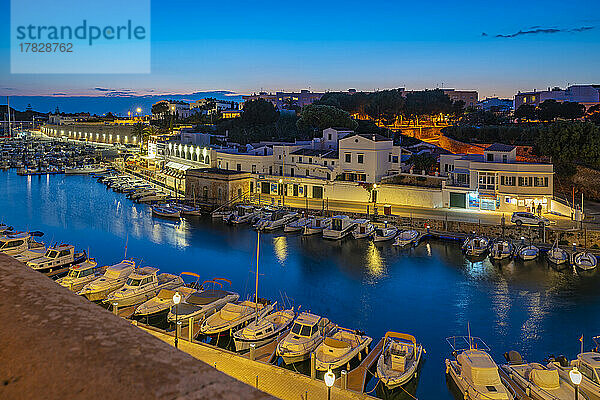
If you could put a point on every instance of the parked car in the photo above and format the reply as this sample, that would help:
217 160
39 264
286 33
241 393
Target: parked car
527 218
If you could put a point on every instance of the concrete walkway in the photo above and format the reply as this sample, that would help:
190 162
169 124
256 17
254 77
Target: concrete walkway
276 381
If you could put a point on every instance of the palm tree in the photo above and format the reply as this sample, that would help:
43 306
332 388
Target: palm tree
146 134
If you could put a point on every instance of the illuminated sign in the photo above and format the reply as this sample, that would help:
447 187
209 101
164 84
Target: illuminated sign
151 150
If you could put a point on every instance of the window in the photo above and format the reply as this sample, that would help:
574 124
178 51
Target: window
239 167
325 163
507 180
487 180
540 181
280 156
328 176
525 181
395 159
307 172
296 328
253 168
361 158
281 170
310 160
348 157
299 159
490 157
504 158
390 157
329 136
305 331
292 159
333 163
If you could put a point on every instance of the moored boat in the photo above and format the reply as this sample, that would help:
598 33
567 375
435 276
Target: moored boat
297 225
385 233
364 229
556 255
80 274
316 225
200 305
405 238
143 284
588 363
263 330
308 331
399 360
338 351
232 316
57 258
475 246
501 249
341 226
114 278
585 260
14 244
165 212
528 253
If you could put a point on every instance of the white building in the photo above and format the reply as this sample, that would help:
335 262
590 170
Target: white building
496 181
368 158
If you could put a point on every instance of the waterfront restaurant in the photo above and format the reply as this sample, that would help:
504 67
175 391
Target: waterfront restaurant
496 181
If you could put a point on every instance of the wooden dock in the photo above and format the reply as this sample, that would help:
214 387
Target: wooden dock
276 381
357 378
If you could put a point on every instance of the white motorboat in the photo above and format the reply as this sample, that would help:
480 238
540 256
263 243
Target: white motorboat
556 255
263 330
585 260
14 244
406 238
57 258
166 212
114 278
159 306
385 233
337 351
233 315
200 305
473 370
241 215
475 246
276 220
85 170
297 225
363 229
537 380
34 251
341 226
501 249
588 363
306 334
143 284
399 360
527 253
80 274
316 225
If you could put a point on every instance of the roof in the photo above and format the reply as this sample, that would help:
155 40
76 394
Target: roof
308 318
311 152
375 137
145 271
591 358
500 147
334 154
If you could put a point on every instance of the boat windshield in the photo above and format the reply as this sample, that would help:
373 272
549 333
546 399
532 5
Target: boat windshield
2 244
302 330
74 274
133 282
51 253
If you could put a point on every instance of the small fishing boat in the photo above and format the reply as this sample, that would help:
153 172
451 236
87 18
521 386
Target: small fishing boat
316 225
114 278
165 212
80 274
475 246
297 225
57 258
527 253
556 255
385 233
263 330
399 360
341 226
364 229
537 380
220 214
15 243
143 284
241 215
201 304
188 211
337 351
232 316
306 334
276 220
156 309
589 365
585 260
33 252
473 370
406 238
501 249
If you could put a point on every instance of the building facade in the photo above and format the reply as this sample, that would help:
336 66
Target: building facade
496 181
93 132
282 100
588 95
469 97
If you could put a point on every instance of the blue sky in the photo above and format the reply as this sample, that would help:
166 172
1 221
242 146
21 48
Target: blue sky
245 46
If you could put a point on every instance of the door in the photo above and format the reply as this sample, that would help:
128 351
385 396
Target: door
458 200
317 192
374 196
265 187
295 188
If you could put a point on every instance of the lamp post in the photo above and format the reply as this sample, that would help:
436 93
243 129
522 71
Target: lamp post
176 300
329 381
282 193
576 377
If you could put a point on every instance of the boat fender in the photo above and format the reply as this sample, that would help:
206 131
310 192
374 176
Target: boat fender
348 366
528 391
447 369
359 356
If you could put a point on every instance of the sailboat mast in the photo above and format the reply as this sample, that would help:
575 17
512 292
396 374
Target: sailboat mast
9 126
257 253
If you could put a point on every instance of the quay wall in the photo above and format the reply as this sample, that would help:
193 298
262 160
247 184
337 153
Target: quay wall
96 133
56 345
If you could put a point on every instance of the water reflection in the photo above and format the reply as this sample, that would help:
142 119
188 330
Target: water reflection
280 249
375 263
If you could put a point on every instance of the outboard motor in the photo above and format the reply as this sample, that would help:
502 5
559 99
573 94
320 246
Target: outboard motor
513 357
562 360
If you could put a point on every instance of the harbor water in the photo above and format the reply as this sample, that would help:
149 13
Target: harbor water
431 291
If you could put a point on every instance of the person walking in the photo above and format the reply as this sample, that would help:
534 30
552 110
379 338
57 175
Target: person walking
539 209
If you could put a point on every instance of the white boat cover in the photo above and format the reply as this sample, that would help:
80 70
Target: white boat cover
546 379
479 368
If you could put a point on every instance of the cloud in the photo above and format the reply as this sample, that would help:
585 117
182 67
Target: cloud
536 30
116 92
59 94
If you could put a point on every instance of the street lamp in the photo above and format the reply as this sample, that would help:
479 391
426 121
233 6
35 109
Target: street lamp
576 377
176 300
282 192
329 381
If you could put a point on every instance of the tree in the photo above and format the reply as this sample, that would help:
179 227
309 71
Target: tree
259 112
422 161
385 106
572 110
319 117
525 112
160 108
427 102
138 130
549 110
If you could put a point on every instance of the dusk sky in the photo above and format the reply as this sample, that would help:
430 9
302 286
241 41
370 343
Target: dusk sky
245 46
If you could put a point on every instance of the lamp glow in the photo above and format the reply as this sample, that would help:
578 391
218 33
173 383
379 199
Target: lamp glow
176 298
329 378
575 376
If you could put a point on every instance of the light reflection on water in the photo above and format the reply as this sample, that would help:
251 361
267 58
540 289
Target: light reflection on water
430 291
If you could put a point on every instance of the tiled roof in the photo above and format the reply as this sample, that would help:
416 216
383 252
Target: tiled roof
500 147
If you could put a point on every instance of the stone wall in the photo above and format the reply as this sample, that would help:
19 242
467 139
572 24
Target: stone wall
96 133
56 345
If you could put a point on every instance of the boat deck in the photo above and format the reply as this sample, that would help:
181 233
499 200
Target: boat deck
511 386
276 381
